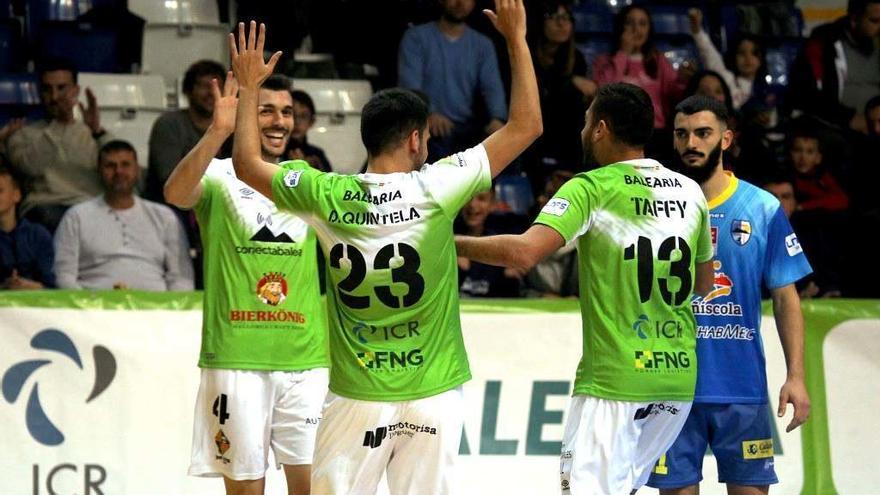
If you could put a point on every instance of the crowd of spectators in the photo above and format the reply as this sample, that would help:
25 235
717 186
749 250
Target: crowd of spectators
810 142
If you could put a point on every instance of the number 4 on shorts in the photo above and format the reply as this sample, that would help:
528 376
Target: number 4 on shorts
219 409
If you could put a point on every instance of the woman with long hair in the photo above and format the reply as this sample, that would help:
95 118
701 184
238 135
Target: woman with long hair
635 59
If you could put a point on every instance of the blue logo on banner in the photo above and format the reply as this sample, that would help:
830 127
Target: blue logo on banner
38 424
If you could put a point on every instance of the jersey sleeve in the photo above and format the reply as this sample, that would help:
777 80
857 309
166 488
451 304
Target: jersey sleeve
296 187
569 209
785 262
705 249
454 180
210 186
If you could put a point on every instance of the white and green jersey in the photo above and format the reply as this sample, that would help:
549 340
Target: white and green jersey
262 304
392 281
640 229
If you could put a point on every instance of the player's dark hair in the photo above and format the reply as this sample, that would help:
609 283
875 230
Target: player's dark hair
857 8
389 117
628 112
8 172
277 82
699 103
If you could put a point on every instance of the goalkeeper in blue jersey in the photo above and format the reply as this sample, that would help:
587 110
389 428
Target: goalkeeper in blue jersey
754 246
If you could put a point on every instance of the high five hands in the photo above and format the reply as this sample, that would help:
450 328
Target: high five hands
248 63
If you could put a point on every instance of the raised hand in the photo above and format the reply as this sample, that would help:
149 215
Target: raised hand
90 114
10 128
695 16
509 18
247 57
225 104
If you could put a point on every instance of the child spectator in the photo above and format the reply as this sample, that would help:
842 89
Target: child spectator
815 186
476 279
743 69
26 252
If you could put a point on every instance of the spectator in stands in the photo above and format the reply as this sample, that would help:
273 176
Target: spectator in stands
864 208
565 92
556 275
26 252
712 85
176 132
57 156
838 69
634 59
864 172
118 240
820 217
743 69
455 66
781 185
815 186
298 148
477 279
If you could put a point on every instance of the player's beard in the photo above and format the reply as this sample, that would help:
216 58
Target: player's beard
702 173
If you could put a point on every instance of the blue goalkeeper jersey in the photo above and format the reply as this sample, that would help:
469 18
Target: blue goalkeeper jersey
754 244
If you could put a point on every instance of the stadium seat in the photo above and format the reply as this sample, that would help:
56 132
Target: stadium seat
337 128
19 97
129 105
91 48
678 49
670 19
593 47
197 12
514 194
11 46
592 20
780 55
169 49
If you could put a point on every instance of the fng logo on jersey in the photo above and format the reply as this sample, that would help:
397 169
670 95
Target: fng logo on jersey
291 178
38 423
793 245
555 207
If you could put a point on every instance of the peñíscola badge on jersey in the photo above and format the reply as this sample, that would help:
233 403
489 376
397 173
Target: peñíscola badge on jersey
741 231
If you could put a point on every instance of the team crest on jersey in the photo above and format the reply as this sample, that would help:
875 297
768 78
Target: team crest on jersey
223 444
272 288
741 231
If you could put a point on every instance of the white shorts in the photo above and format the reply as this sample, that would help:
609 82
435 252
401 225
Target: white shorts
417 441
240 414
609 447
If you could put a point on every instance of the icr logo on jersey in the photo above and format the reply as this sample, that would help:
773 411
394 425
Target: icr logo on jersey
555 207
741 231
291 178
793 245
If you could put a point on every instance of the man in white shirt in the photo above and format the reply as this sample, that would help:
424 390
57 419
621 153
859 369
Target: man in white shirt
118 240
